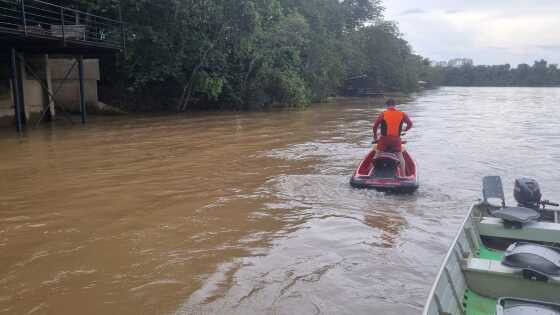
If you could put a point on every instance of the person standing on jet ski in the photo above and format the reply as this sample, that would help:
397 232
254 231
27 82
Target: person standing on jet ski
391 122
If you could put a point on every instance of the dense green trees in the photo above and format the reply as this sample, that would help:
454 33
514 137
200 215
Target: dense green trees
540 74
251 53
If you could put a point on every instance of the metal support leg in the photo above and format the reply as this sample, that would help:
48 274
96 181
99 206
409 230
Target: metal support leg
82 96
16 91
49 89
21 82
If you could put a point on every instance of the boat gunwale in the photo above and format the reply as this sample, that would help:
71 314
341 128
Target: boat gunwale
431 295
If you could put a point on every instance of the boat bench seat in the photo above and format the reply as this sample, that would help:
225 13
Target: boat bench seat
496 267
492 279
536 231
487 266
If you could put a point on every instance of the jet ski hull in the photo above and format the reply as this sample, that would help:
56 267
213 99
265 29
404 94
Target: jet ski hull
385 175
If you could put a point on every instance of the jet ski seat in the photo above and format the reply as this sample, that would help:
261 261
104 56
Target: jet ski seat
536 261
386 156
385 164
513 216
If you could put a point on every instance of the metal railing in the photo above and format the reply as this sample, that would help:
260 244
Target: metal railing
35 18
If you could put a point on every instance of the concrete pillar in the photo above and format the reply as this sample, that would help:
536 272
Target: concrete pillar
33 84
69 94
23 81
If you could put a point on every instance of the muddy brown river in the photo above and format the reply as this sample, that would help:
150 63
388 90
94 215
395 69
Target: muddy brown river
252 213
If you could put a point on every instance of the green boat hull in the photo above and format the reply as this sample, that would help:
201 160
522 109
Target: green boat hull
472 278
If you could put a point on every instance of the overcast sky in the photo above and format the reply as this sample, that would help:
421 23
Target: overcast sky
487 31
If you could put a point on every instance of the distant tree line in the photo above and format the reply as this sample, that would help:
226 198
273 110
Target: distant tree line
540 74
243 54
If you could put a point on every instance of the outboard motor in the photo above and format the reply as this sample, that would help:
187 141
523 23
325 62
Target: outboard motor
527 193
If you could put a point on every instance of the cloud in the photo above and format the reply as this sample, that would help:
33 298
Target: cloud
490 32
549 47
497 48
413 11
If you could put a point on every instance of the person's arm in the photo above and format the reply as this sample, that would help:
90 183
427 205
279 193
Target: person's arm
378 122
408 122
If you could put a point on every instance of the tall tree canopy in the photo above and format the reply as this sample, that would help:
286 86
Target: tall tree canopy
539 74
252 53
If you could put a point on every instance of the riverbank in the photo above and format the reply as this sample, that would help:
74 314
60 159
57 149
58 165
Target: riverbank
103 109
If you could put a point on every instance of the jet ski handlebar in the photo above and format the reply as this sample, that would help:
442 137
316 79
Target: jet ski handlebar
402 134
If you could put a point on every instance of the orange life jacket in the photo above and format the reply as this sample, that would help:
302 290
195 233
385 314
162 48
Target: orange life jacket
392 123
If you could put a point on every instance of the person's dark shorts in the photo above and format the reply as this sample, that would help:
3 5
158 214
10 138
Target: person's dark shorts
389 144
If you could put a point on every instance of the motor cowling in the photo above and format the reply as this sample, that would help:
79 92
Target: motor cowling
527 192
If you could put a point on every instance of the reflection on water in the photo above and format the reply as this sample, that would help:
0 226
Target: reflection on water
252 213
390 224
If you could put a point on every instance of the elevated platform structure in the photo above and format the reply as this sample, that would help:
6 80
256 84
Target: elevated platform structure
42 27
35 27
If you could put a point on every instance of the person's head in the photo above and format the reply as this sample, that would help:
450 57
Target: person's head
390 103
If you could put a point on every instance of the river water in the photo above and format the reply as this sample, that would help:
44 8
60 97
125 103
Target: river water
252 213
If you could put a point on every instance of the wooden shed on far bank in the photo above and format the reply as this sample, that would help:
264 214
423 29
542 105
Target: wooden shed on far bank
426 85
362 86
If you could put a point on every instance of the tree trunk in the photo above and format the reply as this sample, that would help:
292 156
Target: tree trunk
187 89
244 84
